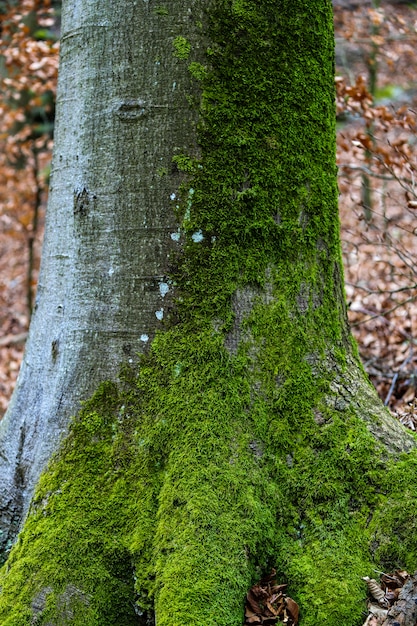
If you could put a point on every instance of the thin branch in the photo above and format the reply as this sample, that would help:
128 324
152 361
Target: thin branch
369 172
378 291
10 340
397 373
397 306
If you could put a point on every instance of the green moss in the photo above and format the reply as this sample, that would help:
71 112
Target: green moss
393 526
239 444
193 480
185 163
162 10
197 70
73 544
182 47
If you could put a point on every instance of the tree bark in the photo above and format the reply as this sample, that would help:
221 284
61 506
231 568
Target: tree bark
248 436
404 611
121 116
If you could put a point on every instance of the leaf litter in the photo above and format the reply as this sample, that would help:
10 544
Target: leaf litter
267 603
389 598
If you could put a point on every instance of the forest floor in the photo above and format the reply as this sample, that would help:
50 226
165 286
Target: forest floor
378 215
14 314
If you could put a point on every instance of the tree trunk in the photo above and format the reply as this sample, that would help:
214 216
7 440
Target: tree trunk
121 116
248 437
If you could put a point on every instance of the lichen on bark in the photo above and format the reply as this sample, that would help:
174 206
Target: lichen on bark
239 444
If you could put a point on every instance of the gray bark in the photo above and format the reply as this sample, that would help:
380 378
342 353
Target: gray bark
404 611
121 115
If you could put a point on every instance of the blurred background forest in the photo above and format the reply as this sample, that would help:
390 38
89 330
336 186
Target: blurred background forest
376 85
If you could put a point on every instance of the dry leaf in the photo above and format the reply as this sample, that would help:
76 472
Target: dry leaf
267 604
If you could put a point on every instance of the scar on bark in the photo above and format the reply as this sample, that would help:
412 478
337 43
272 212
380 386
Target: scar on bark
54 349
82 200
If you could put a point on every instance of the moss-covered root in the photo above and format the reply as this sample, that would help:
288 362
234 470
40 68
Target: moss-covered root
184 494
70 564
217 506
259 470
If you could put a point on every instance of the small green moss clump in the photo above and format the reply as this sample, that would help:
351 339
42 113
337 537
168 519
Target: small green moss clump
197 70
162 10
182 47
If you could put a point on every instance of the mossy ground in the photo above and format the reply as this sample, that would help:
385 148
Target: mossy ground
227 452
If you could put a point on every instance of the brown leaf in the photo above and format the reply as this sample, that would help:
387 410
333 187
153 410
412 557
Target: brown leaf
253 620
375 590
281 607
259 592
402 575
271 609
293 609
267 604
274 597
252 602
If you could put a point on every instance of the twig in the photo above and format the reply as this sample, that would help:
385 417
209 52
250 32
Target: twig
397 306
378 291
366 170
9 340
397 373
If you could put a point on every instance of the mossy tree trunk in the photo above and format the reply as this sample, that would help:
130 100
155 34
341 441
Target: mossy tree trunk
248 437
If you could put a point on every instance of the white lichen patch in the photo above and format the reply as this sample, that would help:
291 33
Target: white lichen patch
176 236
197 236
187 213
163 289
111 271
172 196
144 337
159 314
